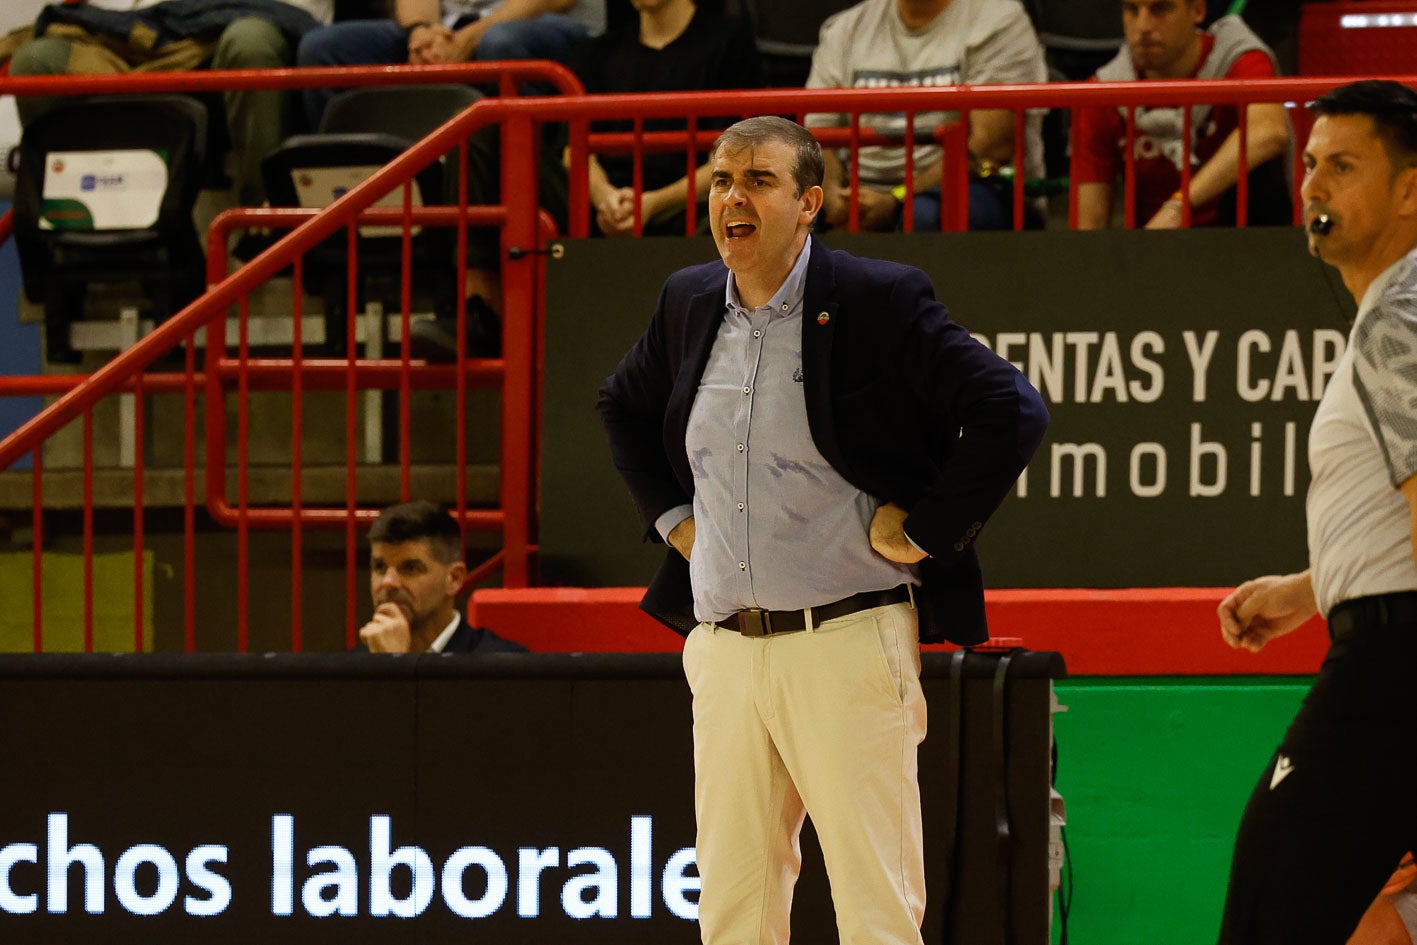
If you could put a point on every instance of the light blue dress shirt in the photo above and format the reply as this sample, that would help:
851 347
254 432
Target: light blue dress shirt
776 526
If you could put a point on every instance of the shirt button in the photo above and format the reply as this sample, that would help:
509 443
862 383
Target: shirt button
740 506
747 390
742 566
757 334
740 447
784 306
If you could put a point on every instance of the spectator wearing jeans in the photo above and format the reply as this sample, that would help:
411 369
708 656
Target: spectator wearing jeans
98 37
424 32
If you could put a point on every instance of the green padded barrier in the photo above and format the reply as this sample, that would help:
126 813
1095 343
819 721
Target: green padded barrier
1155 773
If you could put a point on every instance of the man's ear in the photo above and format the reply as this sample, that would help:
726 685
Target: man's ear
457 573
812 199
1405 192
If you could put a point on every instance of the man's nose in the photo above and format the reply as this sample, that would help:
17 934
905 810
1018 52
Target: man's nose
735 194
1314 186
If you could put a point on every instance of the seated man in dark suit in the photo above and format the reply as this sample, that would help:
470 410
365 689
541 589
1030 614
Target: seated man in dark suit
415 573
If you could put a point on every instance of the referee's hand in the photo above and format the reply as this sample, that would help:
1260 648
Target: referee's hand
1265 608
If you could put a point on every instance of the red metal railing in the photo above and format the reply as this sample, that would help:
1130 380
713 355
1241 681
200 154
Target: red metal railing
78 395
522 233
694 139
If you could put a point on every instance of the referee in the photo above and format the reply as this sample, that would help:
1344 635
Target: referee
1335 808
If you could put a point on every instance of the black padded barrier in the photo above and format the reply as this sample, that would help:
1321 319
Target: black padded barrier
230 798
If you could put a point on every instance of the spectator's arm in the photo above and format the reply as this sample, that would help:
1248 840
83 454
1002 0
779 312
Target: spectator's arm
425 29
613 206
1094 206
991 138
1095 160
1268 134
836 204
830 70
466 39
597 183
408 12
1005 51
991 135
673 196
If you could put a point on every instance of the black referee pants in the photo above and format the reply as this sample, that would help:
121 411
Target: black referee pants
1337 805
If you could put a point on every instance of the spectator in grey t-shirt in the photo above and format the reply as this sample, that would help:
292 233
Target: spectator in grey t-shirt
908 43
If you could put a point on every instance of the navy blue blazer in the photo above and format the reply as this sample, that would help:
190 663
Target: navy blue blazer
468 639
901 401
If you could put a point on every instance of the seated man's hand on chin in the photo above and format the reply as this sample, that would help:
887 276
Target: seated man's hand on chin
387 631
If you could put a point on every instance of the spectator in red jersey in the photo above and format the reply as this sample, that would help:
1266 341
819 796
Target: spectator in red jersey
1164 41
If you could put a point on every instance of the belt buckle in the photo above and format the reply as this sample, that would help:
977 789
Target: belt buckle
754 622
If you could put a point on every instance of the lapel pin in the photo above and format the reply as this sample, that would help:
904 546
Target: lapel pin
823 318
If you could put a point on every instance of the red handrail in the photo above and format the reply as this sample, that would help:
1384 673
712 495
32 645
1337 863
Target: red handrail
505 73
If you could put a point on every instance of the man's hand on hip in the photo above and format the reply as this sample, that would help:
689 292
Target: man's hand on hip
388 631
681 537
888 535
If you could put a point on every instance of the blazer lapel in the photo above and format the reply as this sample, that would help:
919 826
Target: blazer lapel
703 315
819 321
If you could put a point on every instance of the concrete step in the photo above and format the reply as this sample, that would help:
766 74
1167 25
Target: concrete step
377 485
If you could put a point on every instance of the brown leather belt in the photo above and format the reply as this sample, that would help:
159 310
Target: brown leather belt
762 623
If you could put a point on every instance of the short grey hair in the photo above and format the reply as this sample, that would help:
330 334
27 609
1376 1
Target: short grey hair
807 171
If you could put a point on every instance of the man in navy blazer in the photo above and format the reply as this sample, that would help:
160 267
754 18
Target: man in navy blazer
820 446
416 571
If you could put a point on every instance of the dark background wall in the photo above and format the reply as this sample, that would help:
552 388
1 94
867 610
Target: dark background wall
1277 320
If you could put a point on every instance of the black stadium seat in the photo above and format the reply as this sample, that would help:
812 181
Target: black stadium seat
103 194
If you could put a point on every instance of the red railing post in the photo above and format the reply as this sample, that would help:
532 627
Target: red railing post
954 211
138 571
1242 173
519 245
189 495
351 439
37 555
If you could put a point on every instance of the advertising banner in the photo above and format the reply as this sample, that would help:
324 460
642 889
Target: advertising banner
1181 370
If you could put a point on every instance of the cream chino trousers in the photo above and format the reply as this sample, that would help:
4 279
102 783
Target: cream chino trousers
823 722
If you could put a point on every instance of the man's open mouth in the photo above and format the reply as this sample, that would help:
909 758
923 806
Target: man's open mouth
739 230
